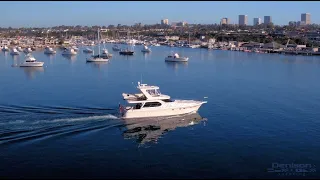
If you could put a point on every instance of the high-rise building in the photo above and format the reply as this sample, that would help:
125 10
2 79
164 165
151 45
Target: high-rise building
256 21
267 20
165 22
306 18
224 21
243 20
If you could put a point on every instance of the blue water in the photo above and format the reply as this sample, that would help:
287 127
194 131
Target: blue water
61 120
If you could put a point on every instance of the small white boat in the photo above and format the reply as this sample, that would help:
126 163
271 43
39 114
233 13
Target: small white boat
116 48
14 51
19 49
151 103
87 50
5 48
145 49
105 53
30 61
27 50
176 58
49 50
69 51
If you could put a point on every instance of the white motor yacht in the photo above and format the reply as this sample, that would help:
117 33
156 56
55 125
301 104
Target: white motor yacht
49 50
27 50
5 48
145 49
14 51
151 103
87 50
116 48
176 58
68 51
30 61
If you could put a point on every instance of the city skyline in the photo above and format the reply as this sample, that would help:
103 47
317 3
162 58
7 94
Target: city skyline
106 13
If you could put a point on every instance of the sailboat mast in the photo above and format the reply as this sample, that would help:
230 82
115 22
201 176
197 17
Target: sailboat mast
99 40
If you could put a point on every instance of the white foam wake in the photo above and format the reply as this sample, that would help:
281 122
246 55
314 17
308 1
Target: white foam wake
13 122
89 118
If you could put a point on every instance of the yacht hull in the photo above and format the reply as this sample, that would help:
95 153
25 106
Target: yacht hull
169 111
33 64
126 53
97 60
176 59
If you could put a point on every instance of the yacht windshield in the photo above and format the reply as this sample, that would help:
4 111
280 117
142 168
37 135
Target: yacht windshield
154 92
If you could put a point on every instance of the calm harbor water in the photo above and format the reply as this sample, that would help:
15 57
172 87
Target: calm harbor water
61 120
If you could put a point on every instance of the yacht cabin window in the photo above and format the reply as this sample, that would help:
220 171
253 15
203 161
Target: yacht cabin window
137 106
152 104
167 100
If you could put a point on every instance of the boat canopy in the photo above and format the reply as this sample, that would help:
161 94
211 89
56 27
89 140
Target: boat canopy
151 92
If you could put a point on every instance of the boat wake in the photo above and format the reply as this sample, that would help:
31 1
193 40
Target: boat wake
90 118
25 123
23 130
53 109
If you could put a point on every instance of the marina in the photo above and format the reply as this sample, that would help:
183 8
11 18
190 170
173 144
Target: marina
74 102
159 90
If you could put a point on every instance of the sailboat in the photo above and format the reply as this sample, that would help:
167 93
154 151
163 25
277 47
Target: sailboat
126 51
98 58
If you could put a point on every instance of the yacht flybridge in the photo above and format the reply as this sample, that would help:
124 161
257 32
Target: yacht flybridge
151 103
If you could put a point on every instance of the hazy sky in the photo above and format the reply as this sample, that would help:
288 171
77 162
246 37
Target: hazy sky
46 14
